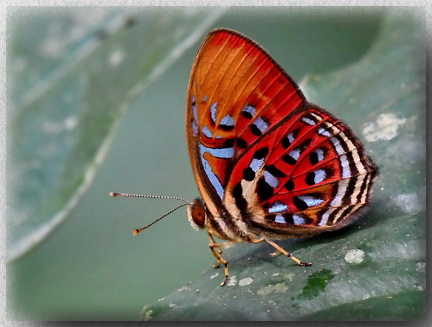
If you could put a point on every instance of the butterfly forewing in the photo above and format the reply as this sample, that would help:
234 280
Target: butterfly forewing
236 93
268 163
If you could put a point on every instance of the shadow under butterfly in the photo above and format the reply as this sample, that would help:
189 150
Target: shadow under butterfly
268 164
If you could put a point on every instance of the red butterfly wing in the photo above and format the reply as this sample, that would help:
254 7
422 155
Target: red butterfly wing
234 85
267 163
307 175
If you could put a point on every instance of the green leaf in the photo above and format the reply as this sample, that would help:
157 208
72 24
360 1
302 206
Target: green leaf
373 269
72 74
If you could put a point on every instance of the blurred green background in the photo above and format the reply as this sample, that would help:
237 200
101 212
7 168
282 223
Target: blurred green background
86 84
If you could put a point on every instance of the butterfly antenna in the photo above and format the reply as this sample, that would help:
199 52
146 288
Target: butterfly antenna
136 231
116 194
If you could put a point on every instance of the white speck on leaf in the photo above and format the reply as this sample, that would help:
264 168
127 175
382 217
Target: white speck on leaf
245 281
289 277
385 128
354 256
70 123
116 58
409 203
232 281
147 315
214 276
277 288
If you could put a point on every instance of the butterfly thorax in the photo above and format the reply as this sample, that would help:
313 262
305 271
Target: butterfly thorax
201 218
238 230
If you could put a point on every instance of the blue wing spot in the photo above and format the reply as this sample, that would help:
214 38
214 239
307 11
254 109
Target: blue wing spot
248 112
213 112
225 153
309 121
207 132
305 201
318 176
256 164
195 128
326 132
227 123
318 155
259 126
278 207
280 219
289 139
298 220
294 155
270 179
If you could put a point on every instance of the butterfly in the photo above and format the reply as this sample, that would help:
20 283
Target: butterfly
268 164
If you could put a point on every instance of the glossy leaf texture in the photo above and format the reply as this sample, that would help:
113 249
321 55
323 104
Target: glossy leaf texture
70 76
373 269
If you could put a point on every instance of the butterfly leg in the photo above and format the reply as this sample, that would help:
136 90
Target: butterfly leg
289 255
215 248
260 240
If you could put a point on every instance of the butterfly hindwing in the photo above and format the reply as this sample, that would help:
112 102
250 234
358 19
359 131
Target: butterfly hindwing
310 171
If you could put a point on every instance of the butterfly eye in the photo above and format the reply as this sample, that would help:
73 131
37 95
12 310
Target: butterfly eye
197 214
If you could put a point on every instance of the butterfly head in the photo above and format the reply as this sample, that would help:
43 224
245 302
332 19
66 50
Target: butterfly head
197 214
